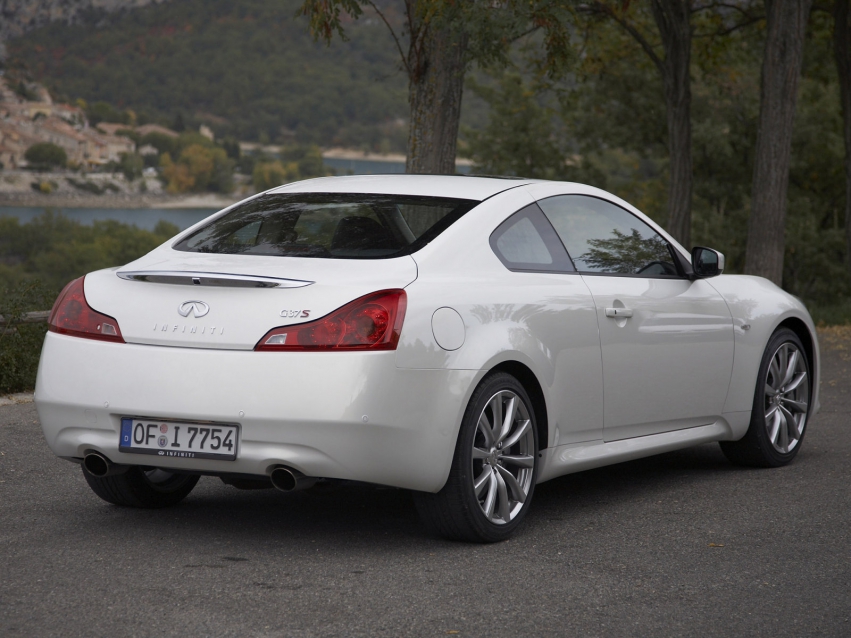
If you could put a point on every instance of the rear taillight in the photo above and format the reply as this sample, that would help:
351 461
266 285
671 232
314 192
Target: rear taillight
372 322
72 315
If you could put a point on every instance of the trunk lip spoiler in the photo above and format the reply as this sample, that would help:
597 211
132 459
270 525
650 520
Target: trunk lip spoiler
222 280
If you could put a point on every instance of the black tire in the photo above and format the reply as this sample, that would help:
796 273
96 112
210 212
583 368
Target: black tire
456 512
147 488
756 448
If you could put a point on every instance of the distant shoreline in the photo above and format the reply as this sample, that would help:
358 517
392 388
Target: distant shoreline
114 200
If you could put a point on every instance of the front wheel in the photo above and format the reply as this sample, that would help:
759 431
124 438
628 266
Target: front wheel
142 487
494 469
780 407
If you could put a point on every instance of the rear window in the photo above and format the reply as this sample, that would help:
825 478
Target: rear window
334 225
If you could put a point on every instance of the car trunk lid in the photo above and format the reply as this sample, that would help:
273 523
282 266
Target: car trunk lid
230 301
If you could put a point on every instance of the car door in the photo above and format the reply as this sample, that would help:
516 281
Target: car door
667 342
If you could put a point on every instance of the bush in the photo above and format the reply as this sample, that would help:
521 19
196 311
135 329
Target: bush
37 259
131 166
199 168
160 141
85 185
43 186
56 250
105 112
20 344
267 175
44 155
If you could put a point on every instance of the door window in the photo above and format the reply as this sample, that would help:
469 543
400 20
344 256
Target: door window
604 238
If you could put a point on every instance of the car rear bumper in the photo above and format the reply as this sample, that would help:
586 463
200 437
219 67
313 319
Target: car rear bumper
347 415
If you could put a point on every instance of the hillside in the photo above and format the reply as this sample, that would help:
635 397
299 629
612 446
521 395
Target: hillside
248 69
21 16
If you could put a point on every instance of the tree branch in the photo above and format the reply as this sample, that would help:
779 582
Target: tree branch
600 8
405 62
729 30
723 5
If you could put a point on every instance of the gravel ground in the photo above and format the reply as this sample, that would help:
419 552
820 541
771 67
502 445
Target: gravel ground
682 544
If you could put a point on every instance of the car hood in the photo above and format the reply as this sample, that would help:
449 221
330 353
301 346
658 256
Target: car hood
231 301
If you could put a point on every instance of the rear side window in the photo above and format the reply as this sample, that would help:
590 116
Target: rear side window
604 238
526 241
328 225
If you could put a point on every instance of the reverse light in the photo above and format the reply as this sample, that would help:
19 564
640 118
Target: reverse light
372 322
72 315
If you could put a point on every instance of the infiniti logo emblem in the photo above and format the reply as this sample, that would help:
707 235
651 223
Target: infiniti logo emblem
197 308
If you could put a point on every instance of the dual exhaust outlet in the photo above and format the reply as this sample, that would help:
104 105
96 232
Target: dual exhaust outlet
282 478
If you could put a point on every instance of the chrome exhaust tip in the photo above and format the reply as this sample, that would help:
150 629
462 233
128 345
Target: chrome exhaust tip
98 465
288 480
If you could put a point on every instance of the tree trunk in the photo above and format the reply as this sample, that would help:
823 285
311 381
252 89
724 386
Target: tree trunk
673 21
842 51
781 69
436 82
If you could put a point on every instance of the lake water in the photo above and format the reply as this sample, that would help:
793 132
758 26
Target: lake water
145 218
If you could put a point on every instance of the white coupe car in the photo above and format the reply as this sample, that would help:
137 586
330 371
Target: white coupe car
462 337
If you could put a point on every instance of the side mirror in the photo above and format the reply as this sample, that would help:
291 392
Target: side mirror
706 262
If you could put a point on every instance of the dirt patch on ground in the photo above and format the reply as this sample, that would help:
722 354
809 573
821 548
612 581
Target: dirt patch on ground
836 338
13 399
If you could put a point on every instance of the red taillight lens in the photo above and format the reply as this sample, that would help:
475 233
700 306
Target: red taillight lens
72 315
373 322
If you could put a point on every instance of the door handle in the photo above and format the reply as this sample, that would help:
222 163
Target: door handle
619 313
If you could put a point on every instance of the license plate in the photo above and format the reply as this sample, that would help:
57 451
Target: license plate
178 439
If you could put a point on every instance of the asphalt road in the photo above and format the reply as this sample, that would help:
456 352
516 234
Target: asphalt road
682 544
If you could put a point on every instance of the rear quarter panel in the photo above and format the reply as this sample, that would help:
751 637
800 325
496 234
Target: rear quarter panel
546 321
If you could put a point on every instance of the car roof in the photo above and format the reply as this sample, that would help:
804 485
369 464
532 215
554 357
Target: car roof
449 186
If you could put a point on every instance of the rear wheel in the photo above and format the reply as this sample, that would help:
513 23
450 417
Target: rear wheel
493 473
142 487
780 408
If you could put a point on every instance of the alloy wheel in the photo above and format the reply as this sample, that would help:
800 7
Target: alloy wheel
503 457
787 394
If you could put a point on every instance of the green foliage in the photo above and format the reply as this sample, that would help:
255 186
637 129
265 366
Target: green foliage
20 343
267 175
43 186
489 27
250 62
130 134
104 112
46 155
519 137
160 141
37 259
131 166
231 147
198 168
22 89
310 163
837 313
86 186
55 249
299 162
610 122
524 136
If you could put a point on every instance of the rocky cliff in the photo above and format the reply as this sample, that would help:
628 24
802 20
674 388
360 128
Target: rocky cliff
19 16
